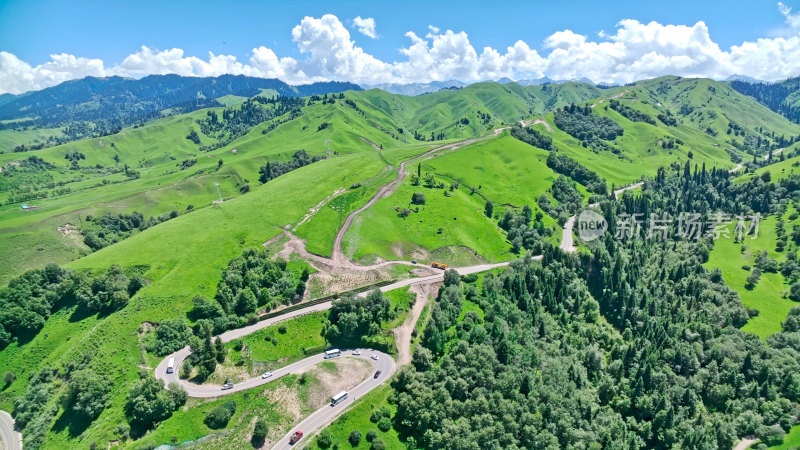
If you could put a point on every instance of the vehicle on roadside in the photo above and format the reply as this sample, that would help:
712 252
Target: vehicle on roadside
374 357
295 437
338 398
413 261
266 375
377 374
332 353
227 386
437 265
356 353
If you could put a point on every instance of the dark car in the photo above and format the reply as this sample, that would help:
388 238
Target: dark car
377 374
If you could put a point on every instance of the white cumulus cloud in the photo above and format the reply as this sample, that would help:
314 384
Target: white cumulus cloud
366 26
632 51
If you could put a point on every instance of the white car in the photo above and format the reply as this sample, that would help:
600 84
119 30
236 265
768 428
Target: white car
374 357
356 353
266 374
227 386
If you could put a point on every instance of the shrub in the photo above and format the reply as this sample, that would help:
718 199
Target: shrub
371 435
9 377
385 424
354 438
218 417
172 335
378 444
325 439
418 198
260 430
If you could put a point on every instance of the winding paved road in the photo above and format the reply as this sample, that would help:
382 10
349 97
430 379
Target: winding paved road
325 415
10 439
567 238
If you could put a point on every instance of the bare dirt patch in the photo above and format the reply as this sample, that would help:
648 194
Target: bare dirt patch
71 232
543 122
287 399
327 283
349 373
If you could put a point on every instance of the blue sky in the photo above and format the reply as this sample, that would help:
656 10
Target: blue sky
34 29
110 31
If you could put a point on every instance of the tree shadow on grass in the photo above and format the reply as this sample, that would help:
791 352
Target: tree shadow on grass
74 423
257 442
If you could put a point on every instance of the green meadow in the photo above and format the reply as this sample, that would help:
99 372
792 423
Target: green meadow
768 296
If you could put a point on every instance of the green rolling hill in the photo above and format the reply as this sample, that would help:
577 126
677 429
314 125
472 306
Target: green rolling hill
172 164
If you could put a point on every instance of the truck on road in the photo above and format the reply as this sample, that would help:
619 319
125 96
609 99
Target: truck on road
171 365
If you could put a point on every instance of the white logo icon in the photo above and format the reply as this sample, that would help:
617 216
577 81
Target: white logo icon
591 225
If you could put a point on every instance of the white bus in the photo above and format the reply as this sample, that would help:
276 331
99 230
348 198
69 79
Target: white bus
338 398
333 353
171 365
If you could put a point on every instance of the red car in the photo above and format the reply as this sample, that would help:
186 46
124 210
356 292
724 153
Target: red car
296 437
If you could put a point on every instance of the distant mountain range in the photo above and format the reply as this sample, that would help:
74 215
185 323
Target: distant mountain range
434 86
113 102
417 88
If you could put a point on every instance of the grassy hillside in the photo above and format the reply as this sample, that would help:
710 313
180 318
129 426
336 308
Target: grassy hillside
474 109
707 116
768 296
185 256
157 151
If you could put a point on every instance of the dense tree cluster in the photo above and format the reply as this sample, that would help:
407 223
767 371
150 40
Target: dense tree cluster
170 336
274 169
542 370
250 281
148 403
87 393
569 167
27 180
353 317
580 123
109 229
238 120
194 137
668 119
33 412
28 300
107 291
206 351
566 194
523 231
532 137
629 113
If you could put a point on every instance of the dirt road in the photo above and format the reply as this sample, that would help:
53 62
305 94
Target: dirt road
337 255
402 334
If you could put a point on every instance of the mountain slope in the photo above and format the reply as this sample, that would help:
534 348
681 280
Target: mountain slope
782 97
99 106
